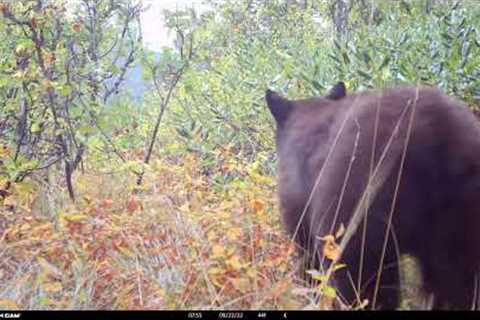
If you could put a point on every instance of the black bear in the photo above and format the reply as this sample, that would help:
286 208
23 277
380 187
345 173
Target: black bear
400 169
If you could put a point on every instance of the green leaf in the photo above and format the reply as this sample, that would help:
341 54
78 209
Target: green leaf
328 291
364 74
65 90
36 127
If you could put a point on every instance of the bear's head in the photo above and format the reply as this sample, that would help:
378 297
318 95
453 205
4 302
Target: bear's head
303 128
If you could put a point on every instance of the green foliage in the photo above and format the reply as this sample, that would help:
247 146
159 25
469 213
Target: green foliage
56 75
243 48
227 57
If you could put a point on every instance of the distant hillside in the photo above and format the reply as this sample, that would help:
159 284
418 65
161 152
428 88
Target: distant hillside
134 83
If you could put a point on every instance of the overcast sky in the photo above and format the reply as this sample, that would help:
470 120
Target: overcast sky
155 34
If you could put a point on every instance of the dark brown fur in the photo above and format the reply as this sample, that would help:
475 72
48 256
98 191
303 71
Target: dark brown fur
436 213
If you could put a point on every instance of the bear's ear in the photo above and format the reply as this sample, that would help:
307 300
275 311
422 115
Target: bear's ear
338 91
279 106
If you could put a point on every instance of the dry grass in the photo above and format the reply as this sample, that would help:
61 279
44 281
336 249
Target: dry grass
183 243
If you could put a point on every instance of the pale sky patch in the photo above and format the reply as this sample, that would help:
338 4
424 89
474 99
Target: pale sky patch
155 34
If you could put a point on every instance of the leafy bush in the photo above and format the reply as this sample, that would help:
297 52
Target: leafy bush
241 51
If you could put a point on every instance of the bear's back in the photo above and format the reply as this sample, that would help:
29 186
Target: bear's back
400 169
439 139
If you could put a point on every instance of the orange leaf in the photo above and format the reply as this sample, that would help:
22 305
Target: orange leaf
331 250
49 57
77 27
8 304
217 251
132 204
53 287
257 205
106 202
4 8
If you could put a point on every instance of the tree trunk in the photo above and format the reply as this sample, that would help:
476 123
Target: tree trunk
68 180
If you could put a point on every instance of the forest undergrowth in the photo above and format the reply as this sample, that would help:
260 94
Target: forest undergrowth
179 243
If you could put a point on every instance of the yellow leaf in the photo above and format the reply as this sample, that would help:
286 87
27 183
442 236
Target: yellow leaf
53 287
338 266
223 216
362 305
82 296
234 233
328 291
76 217
241 284
160 292
4 151
9 202
282 267
19 75
215 270
320 277
217 251
8 304
251 273
328 238
235 263
331 251
126 251
218 281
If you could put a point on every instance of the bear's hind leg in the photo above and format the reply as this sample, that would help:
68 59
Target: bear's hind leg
388 293
452 283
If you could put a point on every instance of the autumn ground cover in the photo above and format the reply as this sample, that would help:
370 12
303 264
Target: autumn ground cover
176 244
